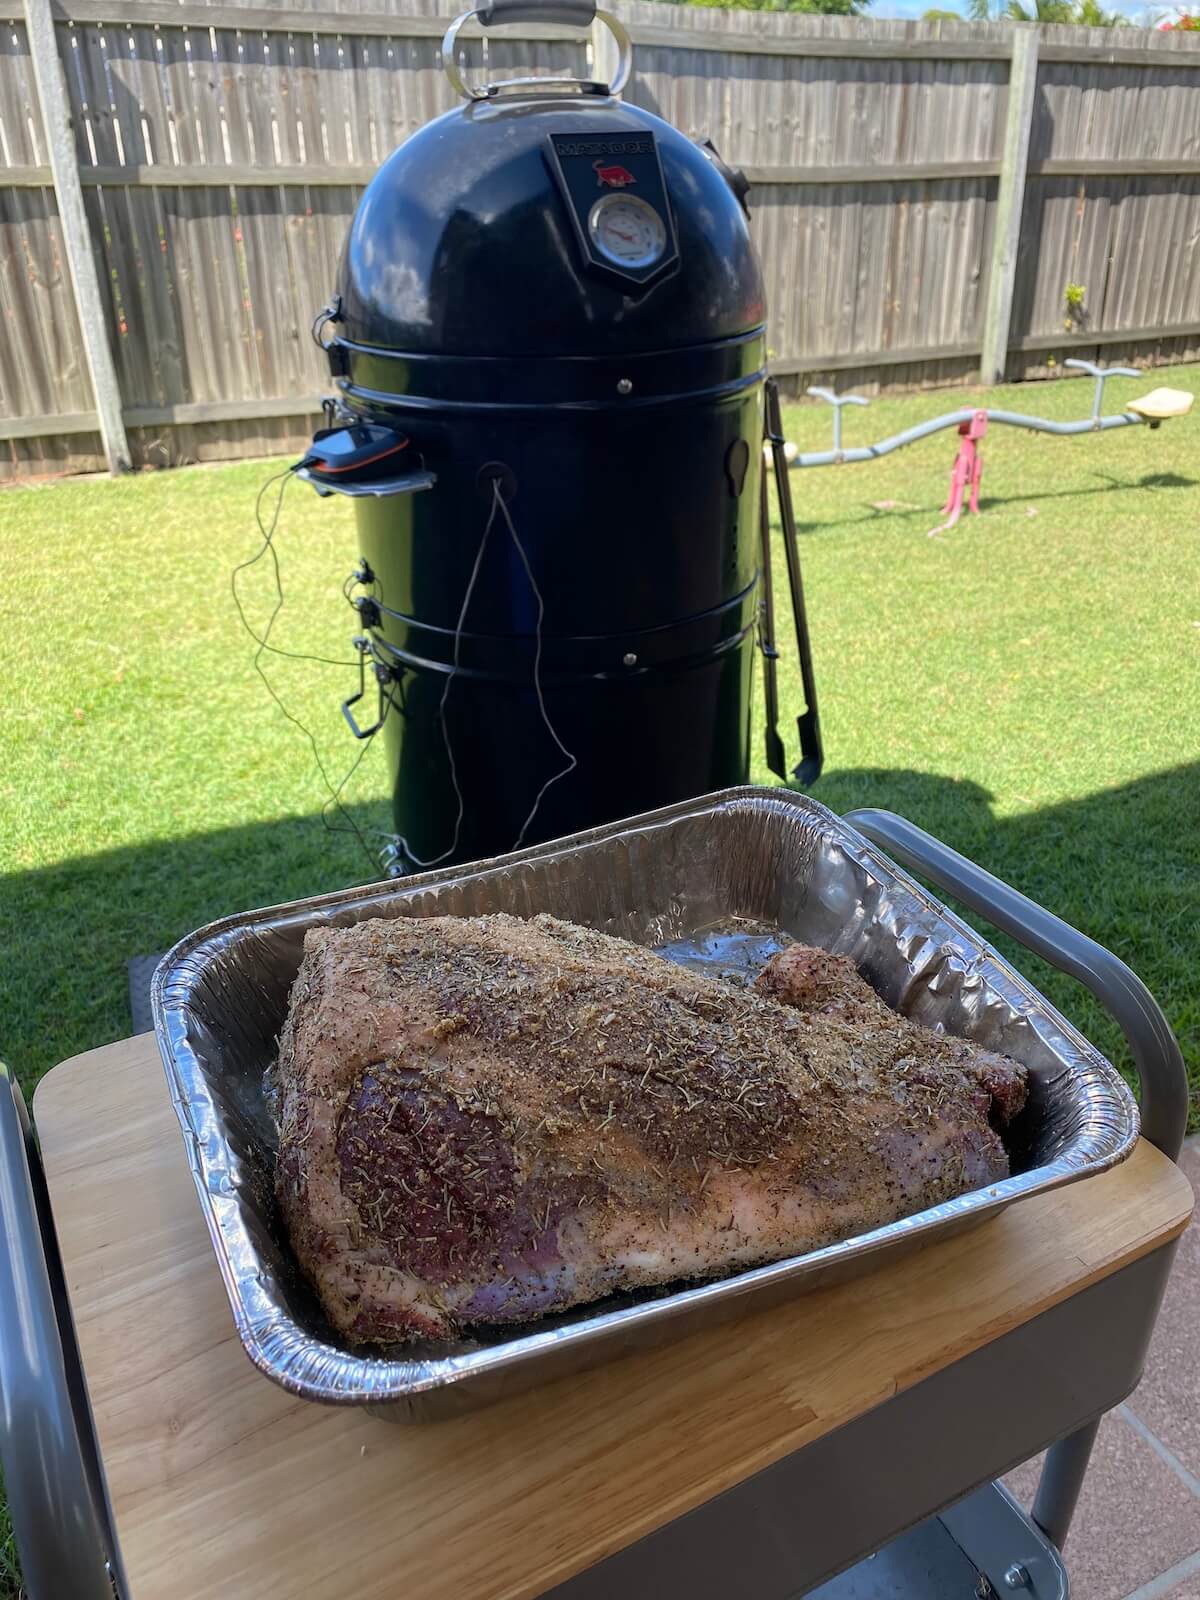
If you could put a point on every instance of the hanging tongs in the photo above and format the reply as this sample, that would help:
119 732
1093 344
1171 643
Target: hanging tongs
808 724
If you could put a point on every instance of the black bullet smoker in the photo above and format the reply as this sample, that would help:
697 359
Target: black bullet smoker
549 352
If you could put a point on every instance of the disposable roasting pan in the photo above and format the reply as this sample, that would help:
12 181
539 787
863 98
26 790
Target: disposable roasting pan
715 882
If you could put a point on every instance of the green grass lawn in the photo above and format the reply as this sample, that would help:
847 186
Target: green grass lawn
1027 687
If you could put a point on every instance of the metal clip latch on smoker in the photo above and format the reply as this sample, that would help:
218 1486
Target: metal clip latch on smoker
383 675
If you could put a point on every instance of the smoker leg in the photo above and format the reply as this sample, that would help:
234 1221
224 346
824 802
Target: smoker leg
1061 1481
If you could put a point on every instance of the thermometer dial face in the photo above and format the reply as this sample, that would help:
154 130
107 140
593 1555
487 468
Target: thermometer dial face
627 231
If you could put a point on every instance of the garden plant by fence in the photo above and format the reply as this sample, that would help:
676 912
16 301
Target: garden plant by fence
933 201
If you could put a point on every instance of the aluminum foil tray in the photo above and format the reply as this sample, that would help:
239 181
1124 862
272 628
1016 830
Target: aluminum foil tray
717 883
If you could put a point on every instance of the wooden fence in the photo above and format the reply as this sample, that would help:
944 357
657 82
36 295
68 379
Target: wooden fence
176 179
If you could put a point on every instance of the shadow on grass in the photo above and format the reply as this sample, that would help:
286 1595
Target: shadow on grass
1148 480
66 931
1123 865
870 512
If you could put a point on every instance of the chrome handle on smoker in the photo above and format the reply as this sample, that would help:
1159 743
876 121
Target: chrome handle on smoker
568 13
1156 1054
53 1504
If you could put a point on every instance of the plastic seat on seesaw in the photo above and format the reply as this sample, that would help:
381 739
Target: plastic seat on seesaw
1160 404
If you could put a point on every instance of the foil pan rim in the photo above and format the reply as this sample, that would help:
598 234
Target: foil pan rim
314 1369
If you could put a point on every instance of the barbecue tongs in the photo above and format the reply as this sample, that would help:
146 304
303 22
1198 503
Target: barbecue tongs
808 723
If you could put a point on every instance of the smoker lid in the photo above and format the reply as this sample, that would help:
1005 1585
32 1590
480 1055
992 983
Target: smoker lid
464 243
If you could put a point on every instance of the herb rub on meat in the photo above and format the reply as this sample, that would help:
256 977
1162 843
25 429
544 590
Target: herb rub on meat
485 1120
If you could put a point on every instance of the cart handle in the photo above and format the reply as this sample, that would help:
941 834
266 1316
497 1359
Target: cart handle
53 1508
1156 1054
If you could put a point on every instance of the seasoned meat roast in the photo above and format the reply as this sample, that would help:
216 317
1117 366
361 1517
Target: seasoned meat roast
485 1120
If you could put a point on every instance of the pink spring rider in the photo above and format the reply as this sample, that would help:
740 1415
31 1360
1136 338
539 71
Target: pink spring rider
968 470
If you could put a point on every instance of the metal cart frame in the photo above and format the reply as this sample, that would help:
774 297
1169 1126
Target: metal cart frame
1071 1364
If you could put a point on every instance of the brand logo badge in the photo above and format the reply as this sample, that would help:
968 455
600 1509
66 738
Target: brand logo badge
612 176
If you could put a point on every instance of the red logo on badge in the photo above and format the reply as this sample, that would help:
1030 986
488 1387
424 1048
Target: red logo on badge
612 177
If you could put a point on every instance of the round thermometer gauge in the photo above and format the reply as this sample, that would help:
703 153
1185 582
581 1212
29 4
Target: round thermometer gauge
627 231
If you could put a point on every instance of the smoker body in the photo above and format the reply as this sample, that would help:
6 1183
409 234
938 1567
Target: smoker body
607 388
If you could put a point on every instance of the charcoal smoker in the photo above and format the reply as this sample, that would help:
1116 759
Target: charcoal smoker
549 353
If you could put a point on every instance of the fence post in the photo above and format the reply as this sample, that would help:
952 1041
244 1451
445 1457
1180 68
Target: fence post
60 140
1010 202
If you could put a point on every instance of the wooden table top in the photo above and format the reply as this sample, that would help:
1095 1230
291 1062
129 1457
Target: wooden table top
224 1485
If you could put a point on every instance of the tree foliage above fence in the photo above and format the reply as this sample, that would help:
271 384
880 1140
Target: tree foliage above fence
828 8
1081 13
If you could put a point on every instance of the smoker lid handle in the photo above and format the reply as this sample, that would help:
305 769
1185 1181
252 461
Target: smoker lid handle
568 13
1122 993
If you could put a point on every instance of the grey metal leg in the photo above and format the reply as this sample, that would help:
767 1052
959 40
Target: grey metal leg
1061 1481
60 1525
